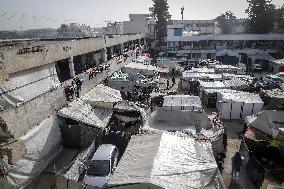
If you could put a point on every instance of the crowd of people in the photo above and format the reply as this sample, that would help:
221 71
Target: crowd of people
72 91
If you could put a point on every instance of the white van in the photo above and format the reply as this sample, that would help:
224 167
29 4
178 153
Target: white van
101 166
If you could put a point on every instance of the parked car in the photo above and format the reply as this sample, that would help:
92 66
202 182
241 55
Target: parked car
101 166
272 80
281 76
257 68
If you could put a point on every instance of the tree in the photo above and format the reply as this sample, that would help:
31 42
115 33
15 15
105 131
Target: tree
260 16
226 22
62 30
160 11
279 20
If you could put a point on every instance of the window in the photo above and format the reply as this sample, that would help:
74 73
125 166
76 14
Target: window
177 32
99 168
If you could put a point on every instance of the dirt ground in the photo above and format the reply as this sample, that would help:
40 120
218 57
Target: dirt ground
242 181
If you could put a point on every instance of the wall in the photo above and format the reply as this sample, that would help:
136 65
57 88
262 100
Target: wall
30 54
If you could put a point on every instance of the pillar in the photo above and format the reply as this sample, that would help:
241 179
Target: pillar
71 67
104 55
121 48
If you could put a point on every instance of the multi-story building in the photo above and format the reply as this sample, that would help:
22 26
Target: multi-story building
200 27
75 30
139 23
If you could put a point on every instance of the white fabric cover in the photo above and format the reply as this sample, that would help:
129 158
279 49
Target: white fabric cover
43 144
227 52
26 85
167 160
238 105
83 112
182 102
178 120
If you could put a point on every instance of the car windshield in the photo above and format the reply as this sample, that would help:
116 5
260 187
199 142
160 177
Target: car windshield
99 168
276 79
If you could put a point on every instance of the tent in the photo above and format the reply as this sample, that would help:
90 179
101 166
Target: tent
166 160
210 85
102 97
178 120
238 105
83 112
182 102
268 121
228 57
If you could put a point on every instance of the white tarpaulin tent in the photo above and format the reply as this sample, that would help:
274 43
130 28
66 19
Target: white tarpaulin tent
182 102
227 52
178 121
135 68
268 121
83 112
18 88
210 85
102 97
238 105
202 70
43 143
201 76
165 160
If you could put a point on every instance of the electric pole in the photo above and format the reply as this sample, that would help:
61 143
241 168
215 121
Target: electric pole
182 9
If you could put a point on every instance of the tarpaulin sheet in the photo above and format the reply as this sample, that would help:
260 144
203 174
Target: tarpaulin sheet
83 112
182 102
178 120
168 161
43 144
191 76
19 86
102 97
202 70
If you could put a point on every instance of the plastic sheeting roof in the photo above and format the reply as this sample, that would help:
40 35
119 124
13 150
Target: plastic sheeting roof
241 97
168 161
178 120
43 143
83 112
182 102
225 52
201 70
188 76
234 83
102 93
267 120
141 66
215 84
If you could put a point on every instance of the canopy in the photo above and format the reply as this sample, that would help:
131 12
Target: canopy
166 160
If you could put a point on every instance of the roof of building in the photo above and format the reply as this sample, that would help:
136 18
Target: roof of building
214 84
182 102
147 161
241 97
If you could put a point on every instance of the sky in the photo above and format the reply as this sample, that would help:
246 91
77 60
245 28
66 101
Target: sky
28 14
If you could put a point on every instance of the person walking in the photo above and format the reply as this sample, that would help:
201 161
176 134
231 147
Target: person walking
236 164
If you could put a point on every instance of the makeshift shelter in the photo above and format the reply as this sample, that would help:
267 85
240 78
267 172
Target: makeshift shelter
261 58
226 69
178 120
228 57
236 84
277 66
268 121
139 68
209 96
210 85
182 102
42 145
102 97
273 99
238 105
201 70
166 160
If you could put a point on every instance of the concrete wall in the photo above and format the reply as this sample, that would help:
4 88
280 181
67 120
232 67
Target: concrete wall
15 122
30 54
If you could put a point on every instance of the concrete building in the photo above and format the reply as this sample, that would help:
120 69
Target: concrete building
206 46
200 27
33 77
76 30
139 23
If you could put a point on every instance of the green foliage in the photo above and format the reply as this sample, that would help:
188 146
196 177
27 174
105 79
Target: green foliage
277 142
279 20
226 22
261 15
160 11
